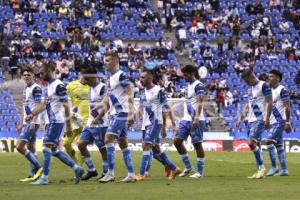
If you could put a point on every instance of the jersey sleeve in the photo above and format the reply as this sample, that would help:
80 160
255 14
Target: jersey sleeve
162 95
102 91
37 94
124 80
61 92
199 90
284 95
266 90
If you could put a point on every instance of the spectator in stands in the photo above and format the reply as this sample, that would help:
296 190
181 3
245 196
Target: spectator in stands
220 99
182 37
284 26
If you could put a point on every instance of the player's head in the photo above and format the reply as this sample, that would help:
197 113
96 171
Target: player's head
190 73
249 76
275 76
111 61
46 71
89 74
28 75
147 77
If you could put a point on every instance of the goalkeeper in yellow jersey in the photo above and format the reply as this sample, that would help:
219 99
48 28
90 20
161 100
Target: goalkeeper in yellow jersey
78 91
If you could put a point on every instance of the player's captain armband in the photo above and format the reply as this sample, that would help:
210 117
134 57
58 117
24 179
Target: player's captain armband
266 90
61 93
124 80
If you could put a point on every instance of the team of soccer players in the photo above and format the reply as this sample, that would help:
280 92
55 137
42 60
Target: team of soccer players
109 113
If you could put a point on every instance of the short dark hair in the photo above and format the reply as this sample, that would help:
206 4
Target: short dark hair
49 66
247 72
28 69
277 73
189 69
88 70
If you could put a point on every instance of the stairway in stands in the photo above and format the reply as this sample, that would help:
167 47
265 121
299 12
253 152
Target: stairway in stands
218 124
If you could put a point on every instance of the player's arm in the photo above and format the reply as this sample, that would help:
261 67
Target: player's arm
61 92
285 97
36 111
20 126
267 92
100 110
199 91
166 112
242 116
130 118
37 96
126 84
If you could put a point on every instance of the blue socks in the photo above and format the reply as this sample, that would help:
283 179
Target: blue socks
128 161
150 161
104 166
272 154
158 158
47 161
186 161
200 165
65 158
110 149
258 157
144 162
282 159
88 161
32 158
165 159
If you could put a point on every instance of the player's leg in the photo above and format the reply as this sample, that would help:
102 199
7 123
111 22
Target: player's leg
51 141
68 140
111 153
157 157
256 129
86 138
281 152
197 139
26 139
183 133
101 146
271 141
31 148
127 157
147 148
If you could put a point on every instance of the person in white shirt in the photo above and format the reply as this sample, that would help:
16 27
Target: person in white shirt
280 122
32 95
94 131
55 101
119 100
154 109
193 122
260 107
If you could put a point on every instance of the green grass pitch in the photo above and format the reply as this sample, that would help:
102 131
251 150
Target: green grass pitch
225 178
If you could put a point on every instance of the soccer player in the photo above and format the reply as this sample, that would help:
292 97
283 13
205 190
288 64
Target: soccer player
260 107
56 100
94 130
154 104
32 94
120 101
193 122
78 91
280 121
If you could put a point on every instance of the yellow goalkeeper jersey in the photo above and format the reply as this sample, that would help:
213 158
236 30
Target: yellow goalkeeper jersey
79 95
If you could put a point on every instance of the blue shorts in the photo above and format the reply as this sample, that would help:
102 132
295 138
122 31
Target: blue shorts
275 134
185 130
28 137
151 134
95 134
256 130
118 125
53 132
